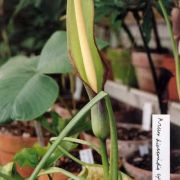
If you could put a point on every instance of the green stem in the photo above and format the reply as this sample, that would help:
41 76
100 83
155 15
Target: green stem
104 157
65 132
60 170
114 141
79 141
174 45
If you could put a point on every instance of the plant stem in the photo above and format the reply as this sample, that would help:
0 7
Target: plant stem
113 175
39 133
80 141
104 157
158 42
66 130
60 170
152 67
174 45
129 33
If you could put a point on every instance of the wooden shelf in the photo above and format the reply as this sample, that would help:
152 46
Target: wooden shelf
137 98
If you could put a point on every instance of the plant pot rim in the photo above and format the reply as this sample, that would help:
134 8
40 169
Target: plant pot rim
127 165
10 136
130 125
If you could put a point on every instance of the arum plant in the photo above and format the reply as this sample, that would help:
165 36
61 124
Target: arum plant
87 61
90 68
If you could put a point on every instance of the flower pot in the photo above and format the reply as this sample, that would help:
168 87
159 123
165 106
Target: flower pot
122 69
10 145
142 174
126 147
144 75
24 171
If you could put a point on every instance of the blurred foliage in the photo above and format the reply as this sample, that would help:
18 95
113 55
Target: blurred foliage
114 12
25 25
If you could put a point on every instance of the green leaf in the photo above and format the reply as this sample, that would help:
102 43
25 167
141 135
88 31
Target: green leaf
30 157
25 94
27 158
53 58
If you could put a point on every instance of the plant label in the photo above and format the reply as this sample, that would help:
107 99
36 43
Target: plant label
78 91
161 147
143 150
146 120
86 156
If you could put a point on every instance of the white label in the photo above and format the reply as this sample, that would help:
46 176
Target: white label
161 147
78 91
146 120
86 156
143 149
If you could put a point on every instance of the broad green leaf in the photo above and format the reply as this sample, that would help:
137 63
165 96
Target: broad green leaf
24 93
81 43
53 58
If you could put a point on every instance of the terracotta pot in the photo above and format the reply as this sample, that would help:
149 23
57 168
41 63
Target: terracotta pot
10 145
141 174
24 171
127 147
144 75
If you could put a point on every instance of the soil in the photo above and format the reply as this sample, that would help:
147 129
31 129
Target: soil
145 162
19 128
126 114
133 134
70 165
